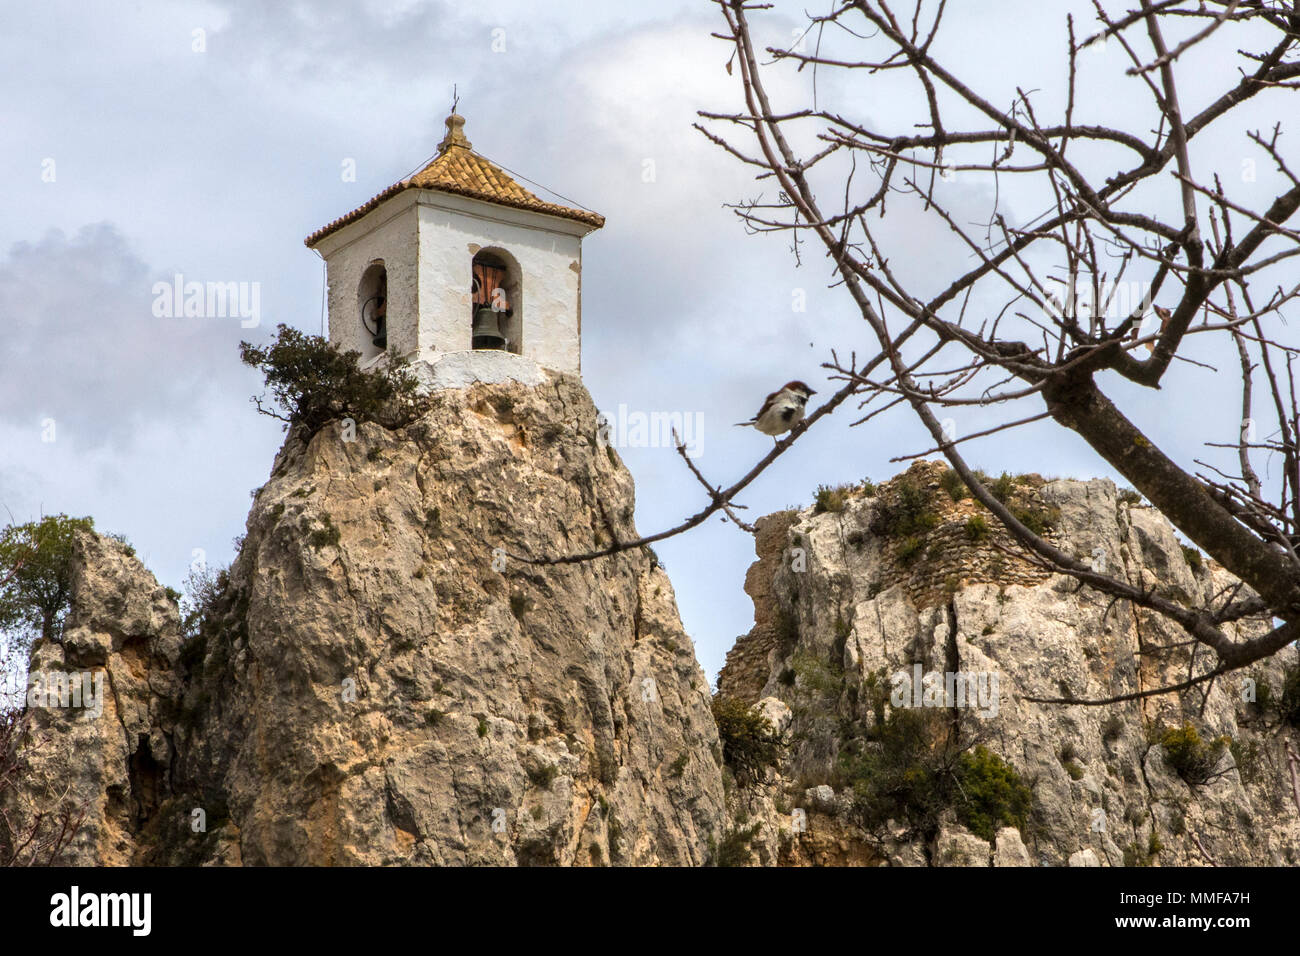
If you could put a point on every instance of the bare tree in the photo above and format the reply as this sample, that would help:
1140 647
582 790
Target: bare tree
1029 323
1227 270
29 835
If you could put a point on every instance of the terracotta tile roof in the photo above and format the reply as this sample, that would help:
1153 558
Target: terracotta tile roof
458 169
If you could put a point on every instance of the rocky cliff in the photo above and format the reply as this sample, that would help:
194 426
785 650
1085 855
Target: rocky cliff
376 681
102 755
871 588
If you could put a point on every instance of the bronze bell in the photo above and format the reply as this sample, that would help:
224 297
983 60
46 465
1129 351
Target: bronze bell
487 329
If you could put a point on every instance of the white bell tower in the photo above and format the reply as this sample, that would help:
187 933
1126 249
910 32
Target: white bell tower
459 267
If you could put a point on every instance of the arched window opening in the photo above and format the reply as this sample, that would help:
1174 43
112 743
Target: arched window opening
372 300
494 303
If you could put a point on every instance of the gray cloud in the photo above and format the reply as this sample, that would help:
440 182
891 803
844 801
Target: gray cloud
83 347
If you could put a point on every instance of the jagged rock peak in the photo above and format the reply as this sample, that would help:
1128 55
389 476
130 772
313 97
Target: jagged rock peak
380 683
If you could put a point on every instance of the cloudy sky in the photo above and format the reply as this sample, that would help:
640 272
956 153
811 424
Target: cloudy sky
142 140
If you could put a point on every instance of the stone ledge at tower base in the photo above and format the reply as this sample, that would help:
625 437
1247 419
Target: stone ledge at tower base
483 366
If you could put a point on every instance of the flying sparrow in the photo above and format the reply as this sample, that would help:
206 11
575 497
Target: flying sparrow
782 410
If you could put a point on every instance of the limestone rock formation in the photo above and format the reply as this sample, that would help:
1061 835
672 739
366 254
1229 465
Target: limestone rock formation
382 681
100 738
873 582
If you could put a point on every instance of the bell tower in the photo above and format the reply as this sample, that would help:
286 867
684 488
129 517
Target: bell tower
460 268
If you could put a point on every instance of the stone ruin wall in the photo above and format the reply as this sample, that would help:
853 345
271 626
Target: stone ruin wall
949 560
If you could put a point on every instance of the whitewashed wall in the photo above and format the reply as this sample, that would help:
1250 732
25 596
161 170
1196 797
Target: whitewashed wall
548 251
389 233
428 241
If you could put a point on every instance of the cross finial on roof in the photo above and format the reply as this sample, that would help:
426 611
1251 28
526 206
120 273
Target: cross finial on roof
455 133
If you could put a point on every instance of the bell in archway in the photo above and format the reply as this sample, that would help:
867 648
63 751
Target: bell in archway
487 329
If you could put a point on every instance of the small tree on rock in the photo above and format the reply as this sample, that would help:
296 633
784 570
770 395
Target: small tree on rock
313 382
36 575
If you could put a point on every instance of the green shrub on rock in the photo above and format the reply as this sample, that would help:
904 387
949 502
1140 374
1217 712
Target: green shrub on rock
991 793
1192 758
910 765
750 744
312 382
908 512
36 574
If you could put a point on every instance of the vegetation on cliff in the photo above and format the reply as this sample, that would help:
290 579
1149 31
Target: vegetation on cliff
36 575
313 382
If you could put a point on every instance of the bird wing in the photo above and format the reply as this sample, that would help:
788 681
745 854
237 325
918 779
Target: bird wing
767 404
